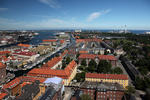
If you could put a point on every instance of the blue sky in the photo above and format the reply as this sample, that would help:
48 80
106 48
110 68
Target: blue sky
58 14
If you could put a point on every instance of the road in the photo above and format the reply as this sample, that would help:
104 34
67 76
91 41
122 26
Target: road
68 93
119 64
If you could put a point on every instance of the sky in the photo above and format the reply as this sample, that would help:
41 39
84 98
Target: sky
70 14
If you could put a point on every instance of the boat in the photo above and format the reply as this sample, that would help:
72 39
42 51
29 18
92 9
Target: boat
36 33
147 32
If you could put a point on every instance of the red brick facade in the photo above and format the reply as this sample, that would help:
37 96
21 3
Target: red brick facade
103 95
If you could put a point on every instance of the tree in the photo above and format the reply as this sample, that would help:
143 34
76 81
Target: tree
104 67
99 53
85 97
147 96
7 55
107 68
92 66
139 83
106 52
92 63
80 77
77 55
117 70
130 90
147 82
127 46
143 70
81 67
91 69
83 62
63 64
68 60
101 66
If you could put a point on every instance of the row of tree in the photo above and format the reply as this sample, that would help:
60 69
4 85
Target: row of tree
102 67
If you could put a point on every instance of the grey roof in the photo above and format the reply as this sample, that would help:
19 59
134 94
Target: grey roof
100 86
29 91
49 94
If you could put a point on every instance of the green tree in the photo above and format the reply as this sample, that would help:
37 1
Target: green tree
127 46
115 44
63 64
101 66
143 70
85 97
80 77
130 90
7 55
99 53
68 60
147 96
92 66
104 67
83 62
117 70
139 83
107 68
106 52
82 67
77 55
92 63
147 82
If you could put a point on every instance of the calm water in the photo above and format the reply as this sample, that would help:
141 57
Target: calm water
51 34
42 35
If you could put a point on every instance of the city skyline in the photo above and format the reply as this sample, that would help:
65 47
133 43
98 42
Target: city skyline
86 14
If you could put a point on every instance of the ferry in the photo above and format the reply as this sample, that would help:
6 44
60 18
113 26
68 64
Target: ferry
147 32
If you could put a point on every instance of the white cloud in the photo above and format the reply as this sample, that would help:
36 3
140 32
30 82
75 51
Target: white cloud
3 9
96 15
57 20
51 3
93 16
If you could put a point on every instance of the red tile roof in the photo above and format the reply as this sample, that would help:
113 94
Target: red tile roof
87 56
25 53
82 51
107 76
2 65
88 40
62 41
2 95
53 72
18 81
31 79
24 45
64 53
106 57
52 62
93 56
4 52
52 40
12 83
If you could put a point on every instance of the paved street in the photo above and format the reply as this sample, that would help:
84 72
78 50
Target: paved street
68 93
123 69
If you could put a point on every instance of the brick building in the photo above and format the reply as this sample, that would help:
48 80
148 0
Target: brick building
66 74
102 91
111 78
97 58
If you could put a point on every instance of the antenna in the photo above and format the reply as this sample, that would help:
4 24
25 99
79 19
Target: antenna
125 28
